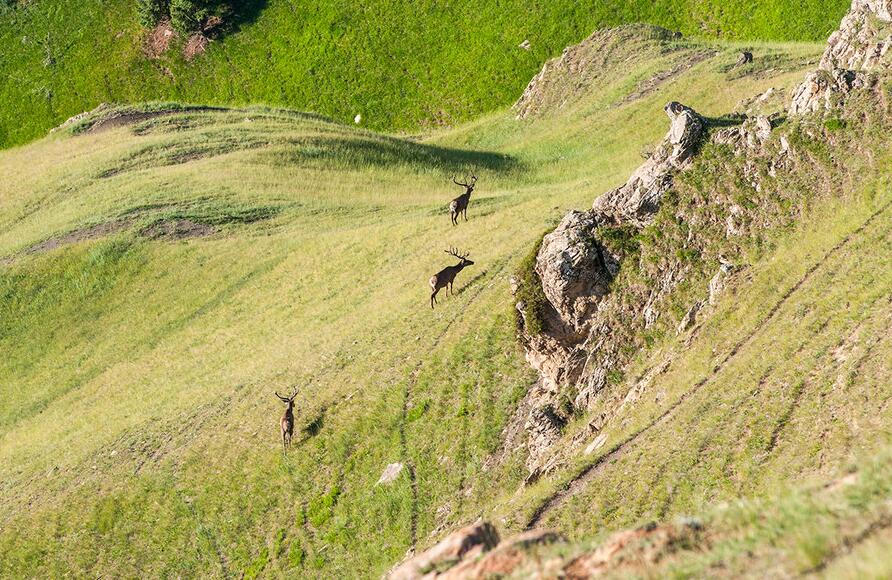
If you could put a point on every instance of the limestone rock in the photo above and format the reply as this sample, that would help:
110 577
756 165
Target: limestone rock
717 284
823 90
861 44
543 429
749 135
639 198
575 269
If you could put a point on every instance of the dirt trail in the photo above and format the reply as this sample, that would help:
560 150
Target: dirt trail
584 477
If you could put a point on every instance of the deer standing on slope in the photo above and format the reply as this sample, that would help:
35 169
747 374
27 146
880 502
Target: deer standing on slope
286 423
459 205
445 277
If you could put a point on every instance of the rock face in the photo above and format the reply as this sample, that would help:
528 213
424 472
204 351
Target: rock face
637 200
861 44
576 270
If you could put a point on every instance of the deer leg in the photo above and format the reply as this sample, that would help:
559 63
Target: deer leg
465 213
454 217
284 448
434 297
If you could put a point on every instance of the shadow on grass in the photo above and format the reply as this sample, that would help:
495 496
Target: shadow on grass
243 12
315 426
471 282
388 151
730 120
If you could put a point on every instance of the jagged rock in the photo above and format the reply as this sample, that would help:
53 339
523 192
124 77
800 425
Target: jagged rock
474 552
390 473
689 319
750 134
861 44
717 284
823 90
862 41
745 57
639 198
462 544
575 269
543 427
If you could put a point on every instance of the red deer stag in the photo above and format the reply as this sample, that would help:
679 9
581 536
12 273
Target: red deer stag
286 423
459 205
445 277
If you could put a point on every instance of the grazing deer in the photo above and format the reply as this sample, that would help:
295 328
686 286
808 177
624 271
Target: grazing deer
286 423
459 205
445 277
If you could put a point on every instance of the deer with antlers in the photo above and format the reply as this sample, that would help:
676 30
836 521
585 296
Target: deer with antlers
459 205
286 423
445 277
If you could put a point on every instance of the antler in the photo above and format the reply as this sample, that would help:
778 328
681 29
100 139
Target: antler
454 252
458 182
287 399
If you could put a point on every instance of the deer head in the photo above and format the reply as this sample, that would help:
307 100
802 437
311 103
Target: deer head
463 257
288 400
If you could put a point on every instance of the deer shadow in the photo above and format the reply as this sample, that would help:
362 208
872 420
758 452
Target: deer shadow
471 282
315 426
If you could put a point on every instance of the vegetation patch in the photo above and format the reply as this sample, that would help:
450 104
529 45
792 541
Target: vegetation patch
530 293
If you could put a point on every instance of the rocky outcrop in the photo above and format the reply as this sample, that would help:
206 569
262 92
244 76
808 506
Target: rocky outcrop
588 330
576 269
638 199
861 44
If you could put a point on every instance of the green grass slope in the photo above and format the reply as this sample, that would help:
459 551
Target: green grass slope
138 426
400 64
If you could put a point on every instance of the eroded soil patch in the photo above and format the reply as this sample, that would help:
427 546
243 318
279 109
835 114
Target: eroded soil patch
177 229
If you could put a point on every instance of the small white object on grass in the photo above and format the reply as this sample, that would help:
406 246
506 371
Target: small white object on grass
391 472
524 45
357 119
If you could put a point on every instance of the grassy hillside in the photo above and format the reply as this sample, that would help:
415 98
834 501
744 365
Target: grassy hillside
161 277
402 65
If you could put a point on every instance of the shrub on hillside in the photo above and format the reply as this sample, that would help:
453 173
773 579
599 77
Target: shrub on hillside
187 15
150 12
